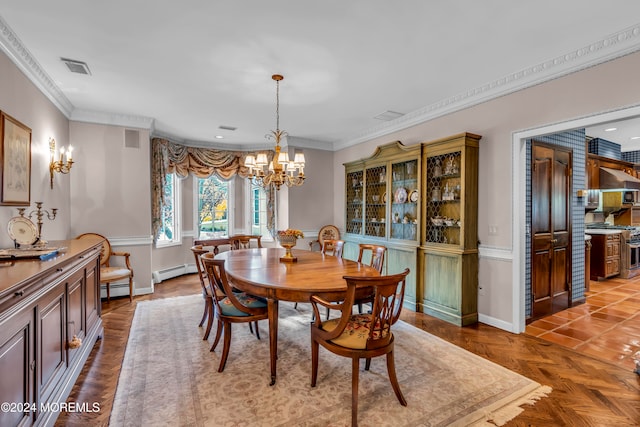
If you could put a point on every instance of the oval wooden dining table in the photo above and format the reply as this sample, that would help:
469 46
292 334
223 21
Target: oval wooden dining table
260 272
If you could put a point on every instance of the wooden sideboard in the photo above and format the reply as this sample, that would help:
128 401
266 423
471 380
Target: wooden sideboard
43 304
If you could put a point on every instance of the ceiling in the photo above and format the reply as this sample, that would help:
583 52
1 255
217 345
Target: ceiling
185 69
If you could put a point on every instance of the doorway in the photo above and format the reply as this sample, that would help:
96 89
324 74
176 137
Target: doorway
550 229
521 160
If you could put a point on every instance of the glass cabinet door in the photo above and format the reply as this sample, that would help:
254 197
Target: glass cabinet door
354 205
443 215
375 203
404 200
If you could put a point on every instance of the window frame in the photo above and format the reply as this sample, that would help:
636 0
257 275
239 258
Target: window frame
250 212
230 208
176 198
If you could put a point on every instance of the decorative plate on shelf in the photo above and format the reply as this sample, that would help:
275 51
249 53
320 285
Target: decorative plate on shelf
384 197
413 196
22 230
400 196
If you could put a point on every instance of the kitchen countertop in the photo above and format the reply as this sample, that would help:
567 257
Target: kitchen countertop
602 231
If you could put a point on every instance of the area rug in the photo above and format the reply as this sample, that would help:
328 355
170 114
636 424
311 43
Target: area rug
169 377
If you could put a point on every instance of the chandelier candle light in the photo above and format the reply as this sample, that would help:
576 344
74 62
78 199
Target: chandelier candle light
287 239
280 171
59 165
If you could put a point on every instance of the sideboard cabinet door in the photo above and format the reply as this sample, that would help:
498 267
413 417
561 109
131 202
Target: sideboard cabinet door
16 362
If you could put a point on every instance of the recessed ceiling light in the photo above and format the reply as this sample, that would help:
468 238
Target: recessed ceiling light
219 136
635 137
610 129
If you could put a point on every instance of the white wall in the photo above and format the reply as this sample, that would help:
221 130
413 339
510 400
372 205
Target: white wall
110 193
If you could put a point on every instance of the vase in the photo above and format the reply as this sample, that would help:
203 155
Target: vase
288 242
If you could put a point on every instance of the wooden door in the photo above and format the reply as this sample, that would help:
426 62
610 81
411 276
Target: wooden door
550 230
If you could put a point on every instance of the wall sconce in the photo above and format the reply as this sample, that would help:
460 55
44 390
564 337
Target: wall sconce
59 165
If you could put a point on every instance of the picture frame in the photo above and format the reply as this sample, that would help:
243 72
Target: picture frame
15 162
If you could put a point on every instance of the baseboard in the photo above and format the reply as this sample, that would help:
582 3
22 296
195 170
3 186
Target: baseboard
497 323
171 272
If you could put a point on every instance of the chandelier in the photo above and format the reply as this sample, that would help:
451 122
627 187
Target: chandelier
280 171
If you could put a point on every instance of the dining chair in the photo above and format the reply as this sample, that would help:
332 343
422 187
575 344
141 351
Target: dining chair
334 248
376 260
110 273
361 336
233 308
326 232
243 241
208 314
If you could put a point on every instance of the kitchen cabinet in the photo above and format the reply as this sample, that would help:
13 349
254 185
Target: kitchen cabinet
605 255
382 207
448 254
630 216
43 305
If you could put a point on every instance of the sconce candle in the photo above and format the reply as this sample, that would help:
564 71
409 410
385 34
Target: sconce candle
59 166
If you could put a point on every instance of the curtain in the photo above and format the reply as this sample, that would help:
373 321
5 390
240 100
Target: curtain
169 157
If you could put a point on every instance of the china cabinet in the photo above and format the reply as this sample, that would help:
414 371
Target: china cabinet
448 254
382 206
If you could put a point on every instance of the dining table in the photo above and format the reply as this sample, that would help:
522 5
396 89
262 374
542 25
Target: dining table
259 272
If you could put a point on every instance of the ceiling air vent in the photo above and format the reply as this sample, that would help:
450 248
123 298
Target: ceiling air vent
76 66
388 116
227 127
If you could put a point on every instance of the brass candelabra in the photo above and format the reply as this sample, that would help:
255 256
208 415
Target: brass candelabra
40 214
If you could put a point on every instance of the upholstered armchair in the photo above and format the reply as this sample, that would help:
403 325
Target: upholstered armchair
109 273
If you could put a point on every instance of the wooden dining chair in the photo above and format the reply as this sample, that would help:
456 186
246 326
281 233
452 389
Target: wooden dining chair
375 254
361 336
243 241
233 308
331 247
208 314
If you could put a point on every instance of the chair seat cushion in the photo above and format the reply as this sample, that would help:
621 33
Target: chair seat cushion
356 333
228 309
109 274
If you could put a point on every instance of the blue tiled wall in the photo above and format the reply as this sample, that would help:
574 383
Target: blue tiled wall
574 140
631 156
605 148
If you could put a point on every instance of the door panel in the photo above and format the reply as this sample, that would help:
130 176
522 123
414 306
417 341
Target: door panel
551 229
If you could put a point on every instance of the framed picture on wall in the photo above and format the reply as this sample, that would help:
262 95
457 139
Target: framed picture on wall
15 156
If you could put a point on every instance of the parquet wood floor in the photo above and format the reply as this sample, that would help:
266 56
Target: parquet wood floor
586 391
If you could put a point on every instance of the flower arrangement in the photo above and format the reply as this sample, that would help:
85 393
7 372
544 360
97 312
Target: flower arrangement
291 232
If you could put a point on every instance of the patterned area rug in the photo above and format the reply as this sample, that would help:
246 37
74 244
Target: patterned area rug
170 378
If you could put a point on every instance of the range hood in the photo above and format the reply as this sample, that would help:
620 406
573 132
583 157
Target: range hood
617 180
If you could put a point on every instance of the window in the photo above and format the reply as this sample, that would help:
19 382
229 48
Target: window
258 216
170 229
213 207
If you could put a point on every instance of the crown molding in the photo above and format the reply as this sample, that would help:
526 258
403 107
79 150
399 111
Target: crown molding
114 119
614 46
22 58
